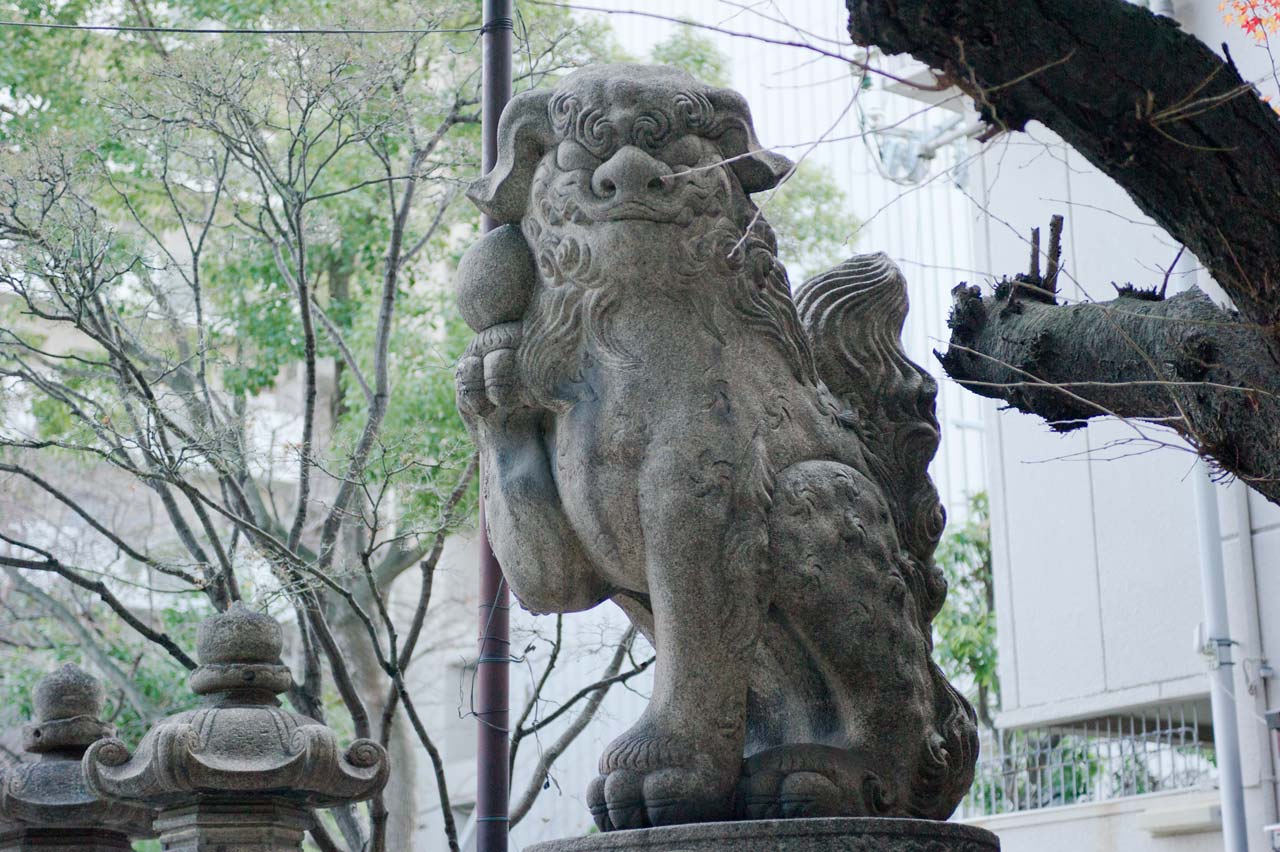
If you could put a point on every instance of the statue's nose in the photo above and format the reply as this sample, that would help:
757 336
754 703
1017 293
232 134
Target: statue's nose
627 173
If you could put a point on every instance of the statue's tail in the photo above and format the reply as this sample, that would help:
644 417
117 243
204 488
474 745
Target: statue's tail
947 760
853 315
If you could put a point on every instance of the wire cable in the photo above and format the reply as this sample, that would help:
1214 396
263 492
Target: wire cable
113 28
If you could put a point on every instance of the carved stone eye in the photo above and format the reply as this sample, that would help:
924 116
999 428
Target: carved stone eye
686 151
572 157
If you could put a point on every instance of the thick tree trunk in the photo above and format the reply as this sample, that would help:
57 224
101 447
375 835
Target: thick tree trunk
1151 106
1197 150
1183 363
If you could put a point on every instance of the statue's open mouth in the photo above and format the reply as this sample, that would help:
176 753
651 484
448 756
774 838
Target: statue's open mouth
639 210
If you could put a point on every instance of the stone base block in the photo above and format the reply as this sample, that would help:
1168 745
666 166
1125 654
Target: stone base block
788 835
262 824
63 840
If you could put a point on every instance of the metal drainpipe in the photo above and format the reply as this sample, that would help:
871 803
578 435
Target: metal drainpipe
493 781
1226 735
1217 645
1251 636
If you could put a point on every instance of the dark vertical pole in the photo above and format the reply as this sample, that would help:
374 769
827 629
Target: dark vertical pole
493 782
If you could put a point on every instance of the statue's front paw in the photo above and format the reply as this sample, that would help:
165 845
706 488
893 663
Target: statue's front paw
649 780
487 376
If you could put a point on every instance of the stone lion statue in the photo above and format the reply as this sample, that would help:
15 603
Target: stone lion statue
663 425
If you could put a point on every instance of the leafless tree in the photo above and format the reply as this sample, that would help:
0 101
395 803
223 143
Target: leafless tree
143 386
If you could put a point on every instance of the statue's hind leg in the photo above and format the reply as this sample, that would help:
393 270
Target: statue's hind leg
878 748
703 558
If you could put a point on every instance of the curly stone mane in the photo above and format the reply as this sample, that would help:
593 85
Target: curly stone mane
569 319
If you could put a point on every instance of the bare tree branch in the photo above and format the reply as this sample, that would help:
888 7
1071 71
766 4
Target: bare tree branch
1183 362
52 565
549 755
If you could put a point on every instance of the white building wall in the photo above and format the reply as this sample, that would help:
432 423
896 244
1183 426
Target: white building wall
1115 826
1082 520
1094 532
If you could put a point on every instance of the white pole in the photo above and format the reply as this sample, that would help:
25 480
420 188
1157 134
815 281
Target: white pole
1226 735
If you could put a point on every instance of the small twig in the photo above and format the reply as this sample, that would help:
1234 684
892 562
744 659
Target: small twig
1034 270
540 777
1164 285
1055 254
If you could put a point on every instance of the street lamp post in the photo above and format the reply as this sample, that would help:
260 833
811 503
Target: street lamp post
493 780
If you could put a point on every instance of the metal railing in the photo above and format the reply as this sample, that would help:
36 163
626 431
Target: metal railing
1148 751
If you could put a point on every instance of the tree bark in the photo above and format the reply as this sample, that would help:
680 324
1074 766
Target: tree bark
1196 149
1181 362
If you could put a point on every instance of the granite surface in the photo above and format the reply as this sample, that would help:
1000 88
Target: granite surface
45 803
240 773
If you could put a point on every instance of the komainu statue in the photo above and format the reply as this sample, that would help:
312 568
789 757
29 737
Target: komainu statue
662 424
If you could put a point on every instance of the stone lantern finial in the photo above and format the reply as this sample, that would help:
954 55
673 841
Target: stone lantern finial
68 703
240 770
45 803
239 654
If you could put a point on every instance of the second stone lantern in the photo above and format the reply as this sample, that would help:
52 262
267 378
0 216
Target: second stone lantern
44 803
240 772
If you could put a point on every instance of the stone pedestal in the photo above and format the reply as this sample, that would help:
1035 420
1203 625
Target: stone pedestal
241 773
45 803
851 834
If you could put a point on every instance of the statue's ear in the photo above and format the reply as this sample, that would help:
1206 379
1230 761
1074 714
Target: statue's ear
762 169
524 134
757 168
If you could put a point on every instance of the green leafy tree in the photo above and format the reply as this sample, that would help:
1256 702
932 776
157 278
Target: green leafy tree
811 217
688 49
226 347
965 629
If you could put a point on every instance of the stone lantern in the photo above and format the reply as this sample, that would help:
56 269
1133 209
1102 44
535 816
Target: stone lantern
45 804
240 772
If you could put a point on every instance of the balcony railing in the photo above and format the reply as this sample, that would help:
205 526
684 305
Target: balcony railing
1148 751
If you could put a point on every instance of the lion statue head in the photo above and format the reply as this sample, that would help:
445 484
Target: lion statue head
611 162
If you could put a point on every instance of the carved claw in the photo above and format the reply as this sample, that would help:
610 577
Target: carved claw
487 375
598 805
624 795
652 780
808 780
629 798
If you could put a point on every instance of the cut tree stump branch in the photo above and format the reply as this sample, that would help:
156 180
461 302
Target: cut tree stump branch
1181 362
1197 150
